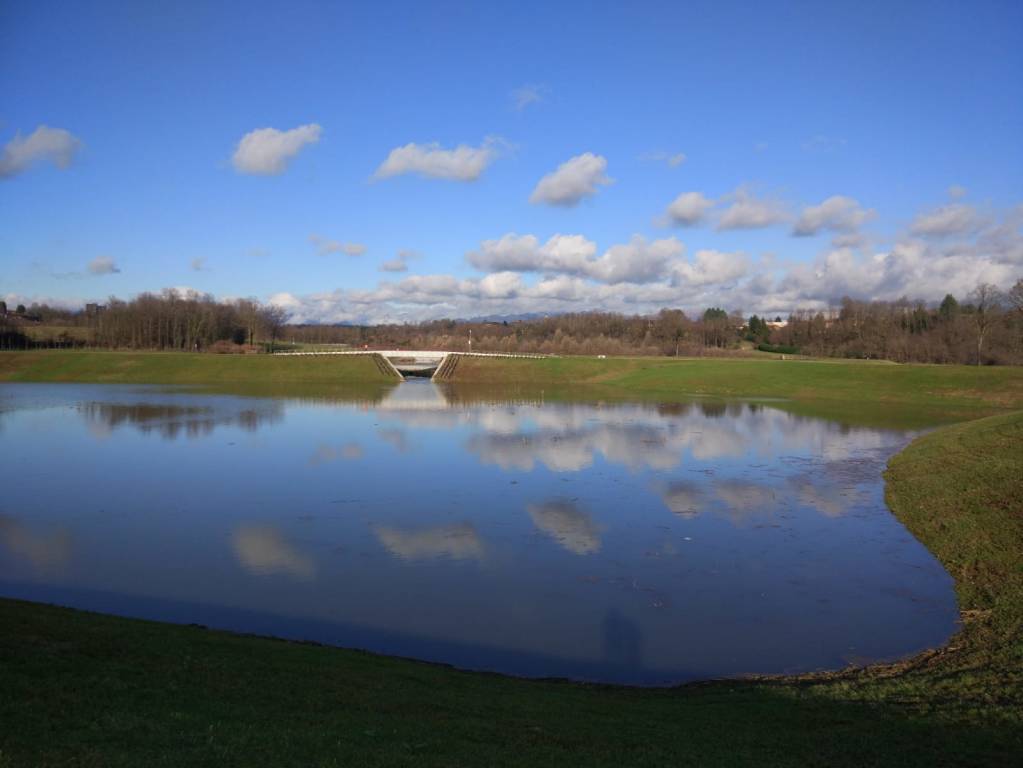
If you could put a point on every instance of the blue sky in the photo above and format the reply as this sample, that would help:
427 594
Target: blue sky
886 134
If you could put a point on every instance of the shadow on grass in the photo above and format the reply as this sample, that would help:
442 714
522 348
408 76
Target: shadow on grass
84 689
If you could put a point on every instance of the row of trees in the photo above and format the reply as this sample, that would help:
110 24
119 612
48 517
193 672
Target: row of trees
169 320
669 332
985 327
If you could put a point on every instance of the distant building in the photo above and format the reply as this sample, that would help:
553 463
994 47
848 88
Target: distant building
91 310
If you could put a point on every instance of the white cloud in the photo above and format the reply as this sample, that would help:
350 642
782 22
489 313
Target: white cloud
710 267
689 209
326 246
268 151
525 95
44 143
463 163
103 265
636 261
749 212
501 285
400 262
561 253
849 240
575 179
837 213
286 300
952 219
567 273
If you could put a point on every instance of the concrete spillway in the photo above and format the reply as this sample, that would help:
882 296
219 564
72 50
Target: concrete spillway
423 364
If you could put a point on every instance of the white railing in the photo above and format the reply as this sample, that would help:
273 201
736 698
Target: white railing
415 353
433 356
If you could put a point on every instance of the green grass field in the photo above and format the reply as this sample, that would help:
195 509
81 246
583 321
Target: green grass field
952 392
186 368
84 689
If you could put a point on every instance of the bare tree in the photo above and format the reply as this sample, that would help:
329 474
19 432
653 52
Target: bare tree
1015 296
987 312
274 318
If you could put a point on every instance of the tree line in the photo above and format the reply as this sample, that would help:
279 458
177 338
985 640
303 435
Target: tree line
985 327
170 320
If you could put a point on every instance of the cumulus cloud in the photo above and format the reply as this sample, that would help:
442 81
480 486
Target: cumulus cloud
575 179
394 265
710 267
285 300
849 240
501 285
400 262
515 253
750 212
44 143
837 213
268 151
463 163
526 95
952 219
689 209
567 273
637 261
103 265
326 246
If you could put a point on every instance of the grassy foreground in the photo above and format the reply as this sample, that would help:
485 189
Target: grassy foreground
83 689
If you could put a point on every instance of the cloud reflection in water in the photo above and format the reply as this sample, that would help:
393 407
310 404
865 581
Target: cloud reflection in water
458 542
263 551
46 552
568 525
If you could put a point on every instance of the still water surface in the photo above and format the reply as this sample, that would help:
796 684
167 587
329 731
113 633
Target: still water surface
627 543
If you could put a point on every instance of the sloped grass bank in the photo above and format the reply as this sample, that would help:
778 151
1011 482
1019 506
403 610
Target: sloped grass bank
84 689
855 392
241 372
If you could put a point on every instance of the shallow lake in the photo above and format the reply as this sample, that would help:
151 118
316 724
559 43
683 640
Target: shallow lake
634 543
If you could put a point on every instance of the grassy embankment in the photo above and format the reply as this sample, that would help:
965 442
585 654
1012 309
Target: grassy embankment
243 374
868 393
85 689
